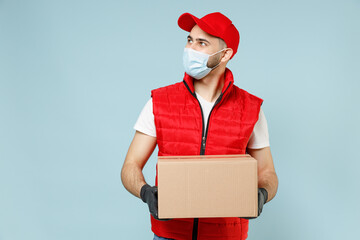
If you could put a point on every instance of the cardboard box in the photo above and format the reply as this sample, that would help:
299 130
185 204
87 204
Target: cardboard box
207 186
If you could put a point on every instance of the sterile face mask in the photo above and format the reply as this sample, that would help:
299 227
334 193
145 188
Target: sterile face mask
195 63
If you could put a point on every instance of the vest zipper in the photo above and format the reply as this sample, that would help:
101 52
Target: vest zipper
195 229
203 144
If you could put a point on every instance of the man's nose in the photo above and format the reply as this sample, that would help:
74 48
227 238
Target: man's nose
191 45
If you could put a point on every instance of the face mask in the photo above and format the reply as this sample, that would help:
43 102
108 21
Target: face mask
195 63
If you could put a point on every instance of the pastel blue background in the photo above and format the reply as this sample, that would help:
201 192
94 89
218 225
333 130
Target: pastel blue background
74 75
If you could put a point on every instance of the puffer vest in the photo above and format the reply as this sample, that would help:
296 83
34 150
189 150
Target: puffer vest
180 130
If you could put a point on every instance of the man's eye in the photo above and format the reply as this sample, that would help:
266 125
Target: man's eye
189 40
202 44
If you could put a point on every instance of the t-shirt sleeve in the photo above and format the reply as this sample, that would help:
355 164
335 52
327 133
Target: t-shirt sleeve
145 122
260 136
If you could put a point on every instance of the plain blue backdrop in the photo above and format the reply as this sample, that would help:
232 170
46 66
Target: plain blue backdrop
74 76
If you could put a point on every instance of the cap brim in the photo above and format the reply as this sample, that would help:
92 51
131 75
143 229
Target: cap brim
187 21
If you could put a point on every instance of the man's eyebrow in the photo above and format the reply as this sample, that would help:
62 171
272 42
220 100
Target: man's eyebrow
202 40
199 39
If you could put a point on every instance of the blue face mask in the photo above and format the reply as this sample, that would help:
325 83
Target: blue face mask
195 63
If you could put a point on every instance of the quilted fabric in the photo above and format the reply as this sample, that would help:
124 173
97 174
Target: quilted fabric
180 131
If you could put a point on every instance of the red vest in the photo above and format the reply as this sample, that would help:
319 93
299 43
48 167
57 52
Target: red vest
180 131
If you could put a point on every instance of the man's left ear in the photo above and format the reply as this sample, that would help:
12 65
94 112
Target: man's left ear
228 54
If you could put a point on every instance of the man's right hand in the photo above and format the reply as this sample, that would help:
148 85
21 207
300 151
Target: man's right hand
149 195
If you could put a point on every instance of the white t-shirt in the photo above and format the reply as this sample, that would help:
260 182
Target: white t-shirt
259 138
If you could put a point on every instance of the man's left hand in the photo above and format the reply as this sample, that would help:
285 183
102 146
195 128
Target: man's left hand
262 198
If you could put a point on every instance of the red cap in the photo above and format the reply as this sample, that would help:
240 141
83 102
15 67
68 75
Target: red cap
215 24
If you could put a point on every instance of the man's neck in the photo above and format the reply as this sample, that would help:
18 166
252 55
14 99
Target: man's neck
210 86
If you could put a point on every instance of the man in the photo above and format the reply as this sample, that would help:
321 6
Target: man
204 114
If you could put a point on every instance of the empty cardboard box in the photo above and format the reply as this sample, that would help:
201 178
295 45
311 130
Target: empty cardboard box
207 186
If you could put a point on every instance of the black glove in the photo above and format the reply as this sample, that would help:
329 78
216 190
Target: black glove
262 198
149 195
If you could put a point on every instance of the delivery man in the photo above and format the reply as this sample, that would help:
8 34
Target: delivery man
204 114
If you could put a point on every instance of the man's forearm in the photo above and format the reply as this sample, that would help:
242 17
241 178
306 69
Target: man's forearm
132 178
269 181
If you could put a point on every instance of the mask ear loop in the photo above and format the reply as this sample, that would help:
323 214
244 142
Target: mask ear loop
218 51
220 61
